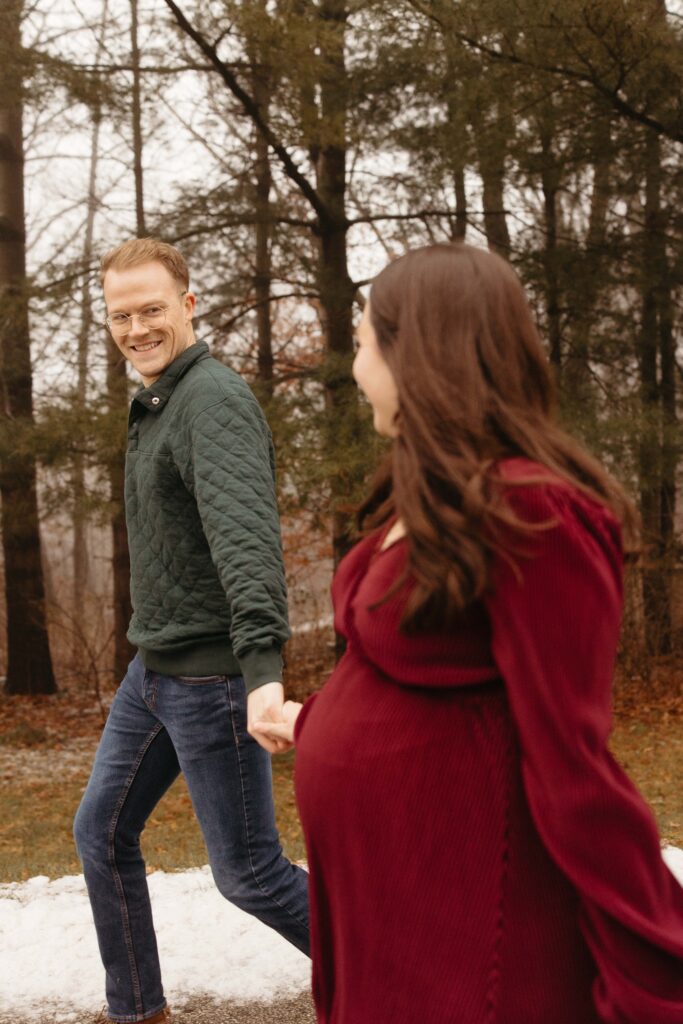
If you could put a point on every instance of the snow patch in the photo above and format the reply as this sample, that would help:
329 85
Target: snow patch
49 958
673 858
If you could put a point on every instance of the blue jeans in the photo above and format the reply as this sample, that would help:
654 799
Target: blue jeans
158 726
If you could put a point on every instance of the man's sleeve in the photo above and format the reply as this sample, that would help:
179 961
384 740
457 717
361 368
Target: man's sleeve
233 474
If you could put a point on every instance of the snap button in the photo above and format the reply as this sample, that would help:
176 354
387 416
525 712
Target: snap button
155 400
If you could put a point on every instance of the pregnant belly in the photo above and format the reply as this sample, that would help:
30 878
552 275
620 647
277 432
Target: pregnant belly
403 796
362 716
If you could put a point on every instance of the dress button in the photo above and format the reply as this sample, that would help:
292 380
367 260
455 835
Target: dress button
155 400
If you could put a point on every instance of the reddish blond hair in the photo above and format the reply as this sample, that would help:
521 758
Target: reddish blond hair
147 250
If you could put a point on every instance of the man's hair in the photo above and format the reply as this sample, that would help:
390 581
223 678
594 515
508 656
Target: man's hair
146 250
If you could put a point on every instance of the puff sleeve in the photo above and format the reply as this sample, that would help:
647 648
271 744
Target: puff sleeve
555 626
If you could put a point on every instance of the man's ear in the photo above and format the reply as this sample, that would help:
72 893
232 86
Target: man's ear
190 303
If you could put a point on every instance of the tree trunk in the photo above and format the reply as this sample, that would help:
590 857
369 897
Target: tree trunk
80 545
29 668
670 437
81 561
140 228
117 392
457 146
656 581
550 183
335 287
261 86
667 356
460 231
585 283
491 136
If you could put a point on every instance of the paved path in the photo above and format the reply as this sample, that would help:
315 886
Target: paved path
208 1011
295 1011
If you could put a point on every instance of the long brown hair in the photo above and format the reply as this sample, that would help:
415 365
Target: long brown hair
474 386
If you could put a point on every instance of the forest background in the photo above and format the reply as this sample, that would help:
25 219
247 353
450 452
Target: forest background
290 148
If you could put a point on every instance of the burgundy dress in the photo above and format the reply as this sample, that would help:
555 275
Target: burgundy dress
476 855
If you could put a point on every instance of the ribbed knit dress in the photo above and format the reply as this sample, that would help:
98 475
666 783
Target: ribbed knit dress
475 853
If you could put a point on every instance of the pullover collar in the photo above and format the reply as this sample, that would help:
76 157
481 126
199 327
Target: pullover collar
157 394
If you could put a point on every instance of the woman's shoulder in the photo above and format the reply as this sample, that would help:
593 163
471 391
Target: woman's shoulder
527 482
529 486
519 468
350 573
538 494
357 559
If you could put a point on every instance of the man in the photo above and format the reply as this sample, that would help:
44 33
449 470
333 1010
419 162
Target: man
209 621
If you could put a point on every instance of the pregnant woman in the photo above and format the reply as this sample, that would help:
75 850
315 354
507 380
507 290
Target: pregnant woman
476 855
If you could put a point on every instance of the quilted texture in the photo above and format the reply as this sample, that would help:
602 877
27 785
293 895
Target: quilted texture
207 578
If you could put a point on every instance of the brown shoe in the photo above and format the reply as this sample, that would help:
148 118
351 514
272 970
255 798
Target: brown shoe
158 1018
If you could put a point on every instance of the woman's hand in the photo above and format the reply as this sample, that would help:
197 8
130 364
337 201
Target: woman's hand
280 733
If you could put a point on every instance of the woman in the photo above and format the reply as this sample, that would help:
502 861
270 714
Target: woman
475 853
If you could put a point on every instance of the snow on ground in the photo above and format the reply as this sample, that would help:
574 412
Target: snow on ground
674 858
35 764
49 958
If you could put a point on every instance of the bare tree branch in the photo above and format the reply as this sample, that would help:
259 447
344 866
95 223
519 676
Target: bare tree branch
252 111
613 93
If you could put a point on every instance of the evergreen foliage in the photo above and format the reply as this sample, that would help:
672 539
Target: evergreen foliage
291 147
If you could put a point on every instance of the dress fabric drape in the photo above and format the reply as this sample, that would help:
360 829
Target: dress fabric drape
476 855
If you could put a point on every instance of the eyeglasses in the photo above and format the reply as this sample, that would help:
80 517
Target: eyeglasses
150 317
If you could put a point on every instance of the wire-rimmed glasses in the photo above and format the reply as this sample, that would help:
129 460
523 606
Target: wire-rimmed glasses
151 317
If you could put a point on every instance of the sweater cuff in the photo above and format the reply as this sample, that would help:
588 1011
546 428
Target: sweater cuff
261 665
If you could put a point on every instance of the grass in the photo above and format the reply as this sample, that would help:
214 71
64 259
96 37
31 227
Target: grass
36 814
648 743
36 820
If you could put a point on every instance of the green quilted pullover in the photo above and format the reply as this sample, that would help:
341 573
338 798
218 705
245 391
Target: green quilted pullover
207 579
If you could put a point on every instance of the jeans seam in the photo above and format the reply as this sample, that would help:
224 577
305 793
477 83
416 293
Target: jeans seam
256 878
118 884
201 680
151 690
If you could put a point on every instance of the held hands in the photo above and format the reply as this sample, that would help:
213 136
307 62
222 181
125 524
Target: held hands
270 719
281 732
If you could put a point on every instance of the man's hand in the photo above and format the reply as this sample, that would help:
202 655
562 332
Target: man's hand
280 732
264 705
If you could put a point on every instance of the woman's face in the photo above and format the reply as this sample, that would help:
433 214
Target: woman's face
374 378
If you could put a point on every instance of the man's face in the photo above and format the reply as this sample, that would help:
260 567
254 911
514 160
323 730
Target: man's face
150 289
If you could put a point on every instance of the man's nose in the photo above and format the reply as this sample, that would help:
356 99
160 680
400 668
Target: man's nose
137 327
